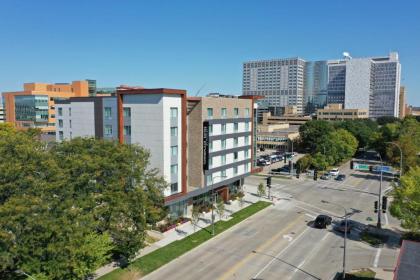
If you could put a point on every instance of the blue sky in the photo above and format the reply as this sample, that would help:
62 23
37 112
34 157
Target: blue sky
185 44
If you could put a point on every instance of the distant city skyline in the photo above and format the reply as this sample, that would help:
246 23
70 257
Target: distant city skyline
189 45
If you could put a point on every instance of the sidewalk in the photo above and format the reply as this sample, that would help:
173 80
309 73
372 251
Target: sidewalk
186 229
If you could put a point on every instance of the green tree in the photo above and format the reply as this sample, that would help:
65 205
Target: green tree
220 207
64 211
195 216
406 203
304 163
313 133
319 161
363 130
261 190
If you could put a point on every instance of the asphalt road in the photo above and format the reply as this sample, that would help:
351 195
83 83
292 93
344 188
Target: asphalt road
280 243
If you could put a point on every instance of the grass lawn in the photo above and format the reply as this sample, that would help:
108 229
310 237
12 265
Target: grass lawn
363 274
164 255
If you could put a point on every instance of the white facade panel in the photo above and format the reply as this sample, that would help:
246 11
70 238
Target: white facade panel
358 81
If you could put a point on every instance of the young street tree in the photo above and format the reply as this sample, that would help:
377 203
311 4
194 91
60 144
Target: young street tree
220 207
67 210
261 190
195 216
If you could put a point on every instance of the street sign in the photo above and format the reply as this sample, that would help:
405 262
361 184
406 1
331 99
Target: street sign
360 166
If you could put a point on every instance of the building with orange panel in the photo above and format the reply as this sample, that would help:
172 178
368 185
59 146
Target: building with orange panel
34 106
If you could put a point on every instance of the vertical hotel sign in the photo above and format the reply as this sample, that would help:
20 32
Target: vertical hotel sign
206 145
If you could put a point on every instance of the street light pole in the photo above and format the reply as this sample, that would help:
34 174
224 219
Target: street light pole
213 201
345 235
380 195
401 156
291 157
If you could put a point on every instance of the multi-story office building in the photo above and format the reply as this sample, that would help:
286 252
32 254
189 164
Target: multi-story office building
371 83
335 112
2 115
280 81
35 105
91 87
197 144
402 103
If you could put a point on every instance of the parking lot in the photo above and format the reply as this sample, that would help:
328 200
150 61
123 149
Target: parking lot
275 165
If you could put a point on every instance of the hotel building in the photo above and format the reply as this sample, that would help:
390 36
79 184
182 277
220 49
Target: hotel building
197 144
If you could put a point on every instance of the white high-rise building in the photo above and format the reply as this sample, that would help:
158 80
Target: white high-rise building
371 83
280 81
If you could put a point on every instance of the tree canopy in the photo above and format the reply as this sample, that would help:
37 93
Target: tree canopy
66 210
406 203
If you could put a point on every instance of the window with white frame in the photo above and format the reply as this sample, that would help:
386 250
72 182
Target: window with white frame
235 141
224 112
210 162
236 112
174 169
246 126
127 130
235 156
224 128
235 127
60 111
210 113
108 130
209 179
246 140
223 159
127 112
223 144
223 175
174 151
60 123
246 153
235 170
174 112
246 112
210 129
108 112
174 131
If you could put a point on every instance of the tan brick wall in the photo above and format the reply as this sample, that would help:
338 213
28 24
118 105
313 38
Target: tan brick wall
195 148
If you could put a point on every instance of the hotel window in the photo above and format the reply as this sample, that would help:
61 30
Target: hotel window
210 113
246 126
246 140
174 112
246 112
223 144
223 128
235 170
246 154
127 130
209 180
174 131
210 162
210 129
224 112
60 135
60 123
108 130
235 156
211 146
223 175
174 169
236 127
60 111
223 159
235 141
236 112
174 187
108 112
127 112
174 151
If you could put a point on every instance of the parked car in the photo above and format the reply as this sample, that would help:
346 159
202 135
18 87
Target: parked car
262 162
322 221
341 227
326 176
262 149
341 177
334 172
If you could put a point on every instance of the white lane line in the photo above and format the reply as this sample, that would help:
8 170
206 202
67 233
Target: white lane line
310 255
310 216
317 208
281 252
378 254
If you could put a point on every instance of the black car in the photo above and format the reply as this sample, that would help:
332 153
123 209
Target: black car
341 177
341 227
322 221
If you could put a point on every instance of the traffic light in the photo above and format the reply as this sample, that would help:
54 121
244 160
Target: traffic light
384 203
315 175
268 182
376 206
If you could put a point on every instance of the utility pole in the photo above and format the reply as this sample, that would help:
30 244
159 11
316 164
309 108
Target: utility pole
379 225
